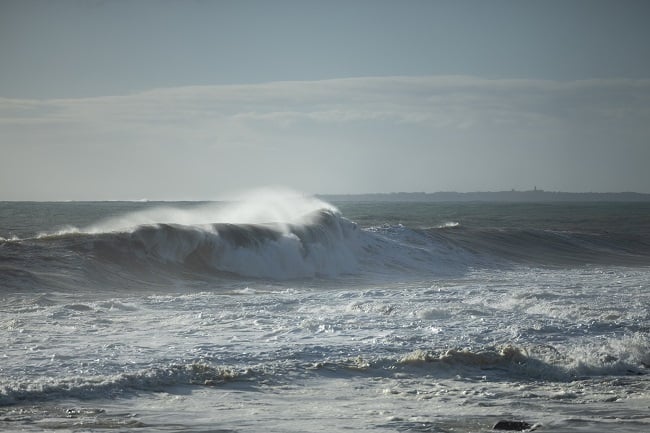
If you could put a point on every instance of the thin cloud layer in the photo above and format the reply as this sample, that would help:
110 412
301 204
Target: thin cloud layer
431 101
438 119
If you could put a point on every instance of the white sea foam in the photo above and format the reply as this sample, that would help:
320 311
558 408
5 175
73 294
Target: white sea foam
449 225
377 343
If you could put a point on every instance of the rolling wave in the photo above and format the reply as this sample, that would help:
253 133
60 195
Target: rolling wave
318 244
325 246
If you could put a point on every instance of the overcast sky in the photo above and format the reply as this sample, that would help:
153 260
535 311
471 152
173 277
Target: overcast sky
198 99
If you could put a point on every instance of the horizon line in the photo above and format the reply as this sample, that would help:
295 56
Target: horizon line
351 195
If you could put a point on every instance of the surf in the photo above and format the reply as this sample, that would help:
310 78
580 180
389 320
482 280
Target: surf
280 235
275 234
323 245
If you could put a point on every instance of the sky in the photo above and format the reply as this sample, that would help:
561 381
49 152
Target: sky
197 100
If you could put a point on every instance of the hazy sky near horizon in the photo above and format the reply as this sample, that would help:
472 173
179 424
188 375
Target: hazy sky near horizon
199 99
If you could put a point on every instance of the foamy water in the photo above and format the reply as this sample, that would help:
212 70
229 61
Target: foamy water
178 318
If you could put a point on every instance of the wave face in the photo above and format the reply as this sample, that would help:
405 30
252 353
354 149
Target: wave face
278 236
291 237
326 245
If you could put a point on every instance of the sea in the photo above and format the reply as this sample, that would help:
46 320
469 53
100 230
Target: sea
281 312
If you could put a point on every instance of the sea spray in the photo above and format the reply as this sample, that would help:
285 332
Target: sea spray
277 206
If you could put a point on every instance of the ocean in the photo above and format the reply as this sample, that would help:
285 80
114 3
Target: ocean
284 313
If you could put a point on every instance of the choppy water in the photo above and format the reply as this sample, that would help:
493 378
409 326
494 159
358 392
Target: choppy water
290 314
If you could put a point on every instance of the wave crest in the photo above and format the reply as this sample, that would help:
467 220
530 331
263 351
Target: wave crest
327 245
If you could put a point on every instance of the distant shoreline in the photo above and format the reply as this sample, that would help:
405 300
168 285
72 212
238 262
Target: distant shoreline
536 195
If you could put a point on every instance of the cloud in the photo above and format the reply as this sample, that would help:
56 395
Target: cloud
425 101
432 122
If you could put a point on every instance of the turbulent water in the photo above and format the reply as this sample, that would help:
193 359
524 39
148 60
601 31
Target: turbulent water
285 313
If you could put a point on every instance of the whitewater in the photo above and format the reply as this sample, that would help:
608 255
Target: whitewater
280 312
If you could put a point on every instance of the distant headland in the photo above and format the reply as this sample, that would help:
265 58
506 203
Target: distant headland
534 195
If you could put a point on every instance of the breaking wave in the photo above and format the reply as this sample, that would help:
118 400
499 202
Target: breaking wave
281 237
627 357
325 245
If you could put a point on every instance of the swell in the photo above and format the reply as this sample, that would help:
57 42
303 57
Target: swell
323 244
553 248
